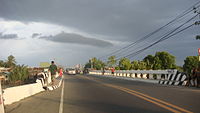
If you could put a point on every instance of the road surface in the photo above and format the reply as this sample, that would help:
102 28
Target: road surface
92 94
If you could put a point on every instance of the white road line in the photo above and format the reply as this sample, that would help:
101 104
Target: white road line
61 99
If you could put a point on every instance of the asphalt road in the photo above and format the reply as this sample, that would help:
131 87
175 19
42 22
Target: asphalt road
92 94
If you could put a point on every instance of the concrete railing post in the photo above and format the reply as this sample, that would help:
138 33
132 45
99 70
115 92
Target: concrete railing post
1 100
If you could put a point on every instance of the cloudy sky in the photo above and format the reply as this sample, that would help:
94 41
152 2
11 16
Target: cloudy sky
72 31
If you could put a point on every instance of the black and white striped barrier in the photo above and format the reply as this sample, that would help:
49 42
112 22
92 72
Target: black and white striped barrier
43 77
177 78
57 85
168 77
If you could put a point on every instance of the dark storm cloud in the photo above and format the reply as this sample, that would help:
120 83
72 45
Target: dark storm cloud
77 39
34 35
122 20
8 36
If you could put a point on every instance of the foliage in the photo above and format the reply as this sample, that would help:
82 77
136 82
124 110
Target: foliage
161 60
95 63
10 63
141 65
2 63
166 60
88 65
198 37
124 64
179 68
190 62
149 60
111 61
117 68
134 65
18 73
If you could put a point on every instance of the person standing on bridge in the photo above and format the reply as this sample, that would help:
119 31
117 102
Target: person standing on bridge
60 72
53 71
112 70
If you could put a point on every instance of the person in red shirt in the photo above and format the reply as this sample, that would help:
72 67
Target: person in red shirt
60 72
113 71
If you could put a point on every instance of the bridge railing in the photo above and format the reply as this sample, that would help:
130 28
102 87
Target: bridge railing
145 74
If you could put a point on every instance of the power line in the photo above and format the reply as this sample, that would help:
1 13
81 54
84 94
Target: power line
138 52
167 36
147 36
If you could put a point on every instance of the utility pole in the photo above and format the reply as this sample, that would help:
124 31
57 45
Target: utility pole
197 23
91 62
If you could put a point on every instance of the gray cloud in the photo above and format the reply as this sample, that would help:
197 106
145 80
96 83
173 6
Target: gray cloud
118 19
121 20
8 36
77 39
34 35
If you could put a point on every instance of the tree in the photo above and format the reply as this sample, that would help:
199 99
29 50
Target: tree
10 62
18 73
117 68
88 65
198 37
142 65
124 64
134 65
95 63
157 63
2 63
165 60
111 61
189 63
149 60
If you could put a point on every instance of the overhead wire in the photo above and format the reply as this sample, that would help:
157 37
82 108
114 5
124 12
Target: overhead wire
161 39
150 34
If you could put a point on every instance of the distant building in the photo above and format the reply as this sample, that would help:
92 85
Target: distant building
44 64
3 69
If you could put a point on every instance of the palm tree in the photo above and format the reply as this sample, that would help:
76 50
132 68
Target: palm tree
11 61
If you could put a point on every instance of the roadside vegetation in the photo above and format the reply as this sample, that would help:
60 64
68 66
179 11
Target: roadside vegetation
18 74
160 61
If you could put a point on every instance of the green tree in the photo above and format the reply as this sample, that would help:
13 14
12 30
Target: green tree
88 65
124 64
2 63
95 63
157 63
10 62
134 65
190 62
111 61
165 60
198 37
117 68
18 73
142 65
149 60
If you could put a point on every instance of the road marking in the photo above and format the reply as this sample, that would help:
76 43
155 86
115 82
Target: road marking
161 101
148 98
61 99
